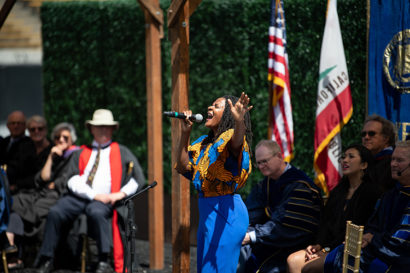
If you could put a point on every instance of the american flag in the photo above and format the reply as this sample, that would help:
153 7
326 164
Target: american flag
280 120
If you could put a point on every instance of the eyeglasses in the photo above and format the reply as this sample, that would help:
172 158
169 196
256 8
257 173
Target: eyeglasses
263 161
63 136
33 129
370 133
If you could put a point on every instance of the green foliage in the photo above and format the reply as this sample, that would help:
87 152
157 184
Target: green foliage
96 58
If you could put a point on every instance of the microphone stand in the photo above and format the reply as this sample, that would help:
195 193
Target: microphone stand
131 228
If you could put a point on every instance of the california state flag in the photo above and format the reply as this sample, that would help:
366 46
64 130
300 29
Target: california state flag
334 103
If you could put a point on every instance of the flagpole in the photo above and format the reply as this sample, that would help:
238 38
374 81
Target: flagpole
327 7
270 111
367 56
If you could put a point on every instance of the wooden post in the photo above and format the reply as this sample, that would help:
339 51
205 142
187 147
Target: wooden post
179 35
5 10
153 35
178 25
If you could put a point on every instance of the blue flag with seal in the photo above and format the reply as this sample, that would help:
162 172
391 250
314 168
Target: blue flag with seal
389 63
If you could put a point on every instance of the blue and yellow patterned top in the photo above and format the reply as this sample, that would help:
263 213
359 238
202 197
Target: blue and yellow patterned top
215 172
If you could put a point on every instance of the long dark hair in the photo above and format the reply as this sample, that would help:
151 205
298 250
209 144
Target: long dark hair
365 157
340 191
228 122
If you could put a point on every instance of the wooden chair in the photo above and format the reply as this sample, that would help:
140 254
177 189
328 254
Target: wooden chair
4 253
4 258
353 247
86 240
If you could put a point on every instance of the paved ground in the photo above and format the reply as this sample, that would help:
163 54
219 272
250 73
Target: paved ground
142 251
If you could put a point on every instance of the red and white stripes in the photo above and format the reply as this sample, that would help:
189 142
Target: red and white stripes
281 122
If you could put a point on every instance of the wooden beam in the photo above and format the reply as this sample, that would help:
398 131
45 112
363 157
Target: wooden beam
5 10
193 4
179 35
154 134
174 9
154 10
178 25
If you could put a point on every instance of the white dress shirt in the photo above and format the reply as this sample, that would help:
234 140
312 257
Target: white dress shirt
102 179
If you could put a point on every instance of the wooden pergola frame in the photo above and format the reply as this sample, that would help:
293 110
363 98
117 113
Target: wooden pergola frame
153 34
178 24
5 10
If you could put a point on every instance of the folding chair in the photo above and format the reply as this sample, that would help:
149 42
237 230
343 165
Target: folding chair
353 247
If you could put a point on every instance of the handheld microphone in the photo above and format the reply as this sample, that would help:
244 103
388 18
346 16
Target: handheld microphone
399 173
172 114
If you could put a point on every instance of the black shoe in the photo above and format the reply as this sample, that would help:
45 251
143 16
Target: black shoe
103 267
45 267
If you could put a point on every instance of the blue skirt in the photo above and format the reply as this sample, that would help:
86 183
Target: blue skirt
223 221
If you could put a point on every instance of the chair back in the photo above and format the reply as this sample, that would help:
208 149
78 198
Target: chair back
353 247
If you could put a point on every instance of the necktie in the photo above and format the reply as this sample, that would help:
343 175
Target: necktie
90 177
12 140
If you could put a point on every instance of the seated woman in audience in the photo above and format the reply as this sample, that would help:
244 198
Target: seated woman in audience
32 208
352 199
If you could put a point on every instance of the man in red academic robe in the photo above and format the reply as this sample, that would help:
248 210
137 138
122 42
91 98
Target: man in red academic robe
99 177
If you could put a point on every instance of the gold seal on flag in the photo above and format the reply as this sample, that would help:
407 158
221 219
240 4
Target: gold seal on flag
396 61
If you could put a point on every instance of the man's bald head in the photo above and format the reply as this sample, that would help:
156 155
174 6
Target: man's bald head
16 123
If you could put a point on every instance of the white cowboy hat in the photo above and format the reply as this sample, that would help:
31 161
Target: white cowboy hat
102 117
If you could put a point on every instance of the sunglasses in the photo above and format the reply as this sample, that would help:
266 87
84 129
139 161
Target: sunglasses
59 136
33 129
369 133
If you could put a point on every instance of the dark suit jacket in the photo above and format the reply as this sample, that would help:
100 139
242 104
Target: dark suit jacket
20 160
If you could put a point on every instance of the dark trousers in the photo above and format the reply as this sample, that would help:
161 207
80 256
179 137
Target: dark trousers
65 211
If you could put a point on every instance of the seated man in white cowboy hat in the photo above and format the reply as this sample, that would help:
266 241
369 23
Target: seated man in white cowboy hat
98 178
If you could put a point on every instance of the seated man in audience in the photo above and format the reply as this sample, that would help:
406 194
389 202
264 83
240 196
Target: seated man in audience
37 128
99 177
18 152
378 135
284 212
386 242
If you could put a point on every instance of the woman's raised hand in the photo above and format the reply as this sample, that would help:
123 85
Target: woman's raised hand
241 107
59 149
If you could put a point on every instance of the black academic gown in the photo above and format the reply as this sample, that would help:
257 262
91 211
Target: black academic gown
294 203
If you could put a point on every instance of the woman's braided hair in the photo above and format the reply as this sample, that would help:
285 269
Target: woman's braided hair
228 122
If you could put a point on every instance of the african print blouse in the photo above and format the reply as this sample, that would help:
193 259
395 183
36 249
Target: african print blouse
213 170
